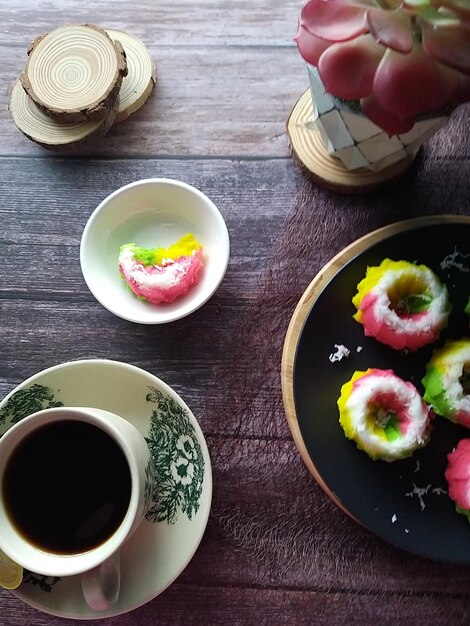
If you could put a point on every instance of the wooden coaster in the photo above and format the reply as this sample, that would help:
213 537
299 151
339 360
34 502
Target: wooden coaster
303 309
49 133
309 150
141 74
74 73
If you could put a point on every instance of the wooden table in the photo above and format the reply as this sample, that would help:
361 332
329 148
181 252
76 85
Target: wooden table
276 549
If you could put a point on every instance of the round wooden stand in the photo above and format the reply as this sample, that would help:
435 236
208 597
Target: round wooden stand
49 133
309 150
74 73
79 80
303 309
141 74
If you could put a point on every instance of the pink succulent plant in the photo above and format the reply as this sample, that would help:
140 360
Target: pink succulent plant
399 58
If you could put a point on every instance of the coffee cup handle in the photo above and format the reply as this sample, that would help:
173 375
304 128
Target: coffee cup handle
100 586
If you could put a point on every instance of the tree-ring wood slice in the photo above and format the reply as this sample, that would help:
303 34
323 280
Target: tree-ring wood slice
74 73
49 133
141 74
308 149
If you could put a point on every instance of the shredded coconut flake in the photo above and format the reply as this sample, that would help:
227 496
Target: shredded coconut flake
383 418
419 492
394 518
417 467
406 530
359 349
452 261
341 352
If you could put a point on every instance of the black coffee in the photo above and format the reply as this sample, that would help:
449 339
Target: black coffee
67 487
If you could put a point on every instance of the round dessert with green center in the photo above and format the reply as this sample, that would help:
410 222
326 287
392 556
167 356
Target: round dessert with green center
384 415
402 304
447 381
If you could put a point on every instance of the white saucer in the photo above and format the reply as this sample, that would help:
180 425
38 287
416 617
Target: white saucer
161 547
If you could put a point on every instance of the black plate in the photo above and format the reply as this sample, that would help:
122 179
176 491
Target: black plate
375 492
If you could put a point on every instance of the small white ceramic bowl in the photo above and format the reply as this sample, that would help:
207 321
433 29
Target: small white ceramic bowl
150 213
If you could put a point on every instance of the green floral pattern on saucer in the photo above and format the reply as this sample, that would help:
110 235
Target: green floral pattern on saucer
178 460
45 583
27 401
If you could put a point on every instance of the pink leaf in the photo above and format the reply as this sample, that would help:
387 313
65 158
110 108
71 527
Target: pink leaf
450 46
462 93
310 46
332 21
459 8
450 84
347 69
391 28
360 4
407 84
391 124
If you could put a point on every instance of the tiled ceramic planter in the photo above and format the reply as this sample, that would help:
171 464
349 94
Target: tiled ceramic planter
356 141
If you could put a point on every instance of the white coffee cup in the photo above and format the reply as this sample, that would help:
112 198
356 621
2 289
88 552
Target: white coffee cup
99 565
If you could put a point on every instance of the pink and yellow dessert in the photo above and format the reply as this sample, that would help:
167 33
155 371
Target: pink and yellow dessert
402 304
447 381
384 415
458 476
161 275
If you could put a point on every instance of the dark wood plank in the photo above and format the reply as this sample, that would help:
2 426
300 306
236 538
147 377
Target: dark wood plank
193 605
179 22
185 117
276 549
191 42
272 528
43 293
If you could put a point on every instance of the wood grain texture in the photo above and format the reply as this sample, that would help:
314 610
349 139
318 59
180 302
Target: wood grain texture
180 22
184 604
78 82
273 534
141 74
47 132
276 549
184 116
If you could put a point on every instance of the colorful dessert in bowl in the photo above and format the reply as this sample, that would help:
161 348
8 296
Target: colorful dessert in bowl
402 304
160 275
146 212
384 415
447 381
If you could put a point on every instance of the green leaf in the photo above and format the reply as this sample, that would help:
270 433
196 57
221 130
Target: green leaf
26 401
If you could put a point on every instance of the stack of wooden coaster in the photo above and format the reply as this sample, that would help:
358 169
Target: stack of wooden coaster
79 80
